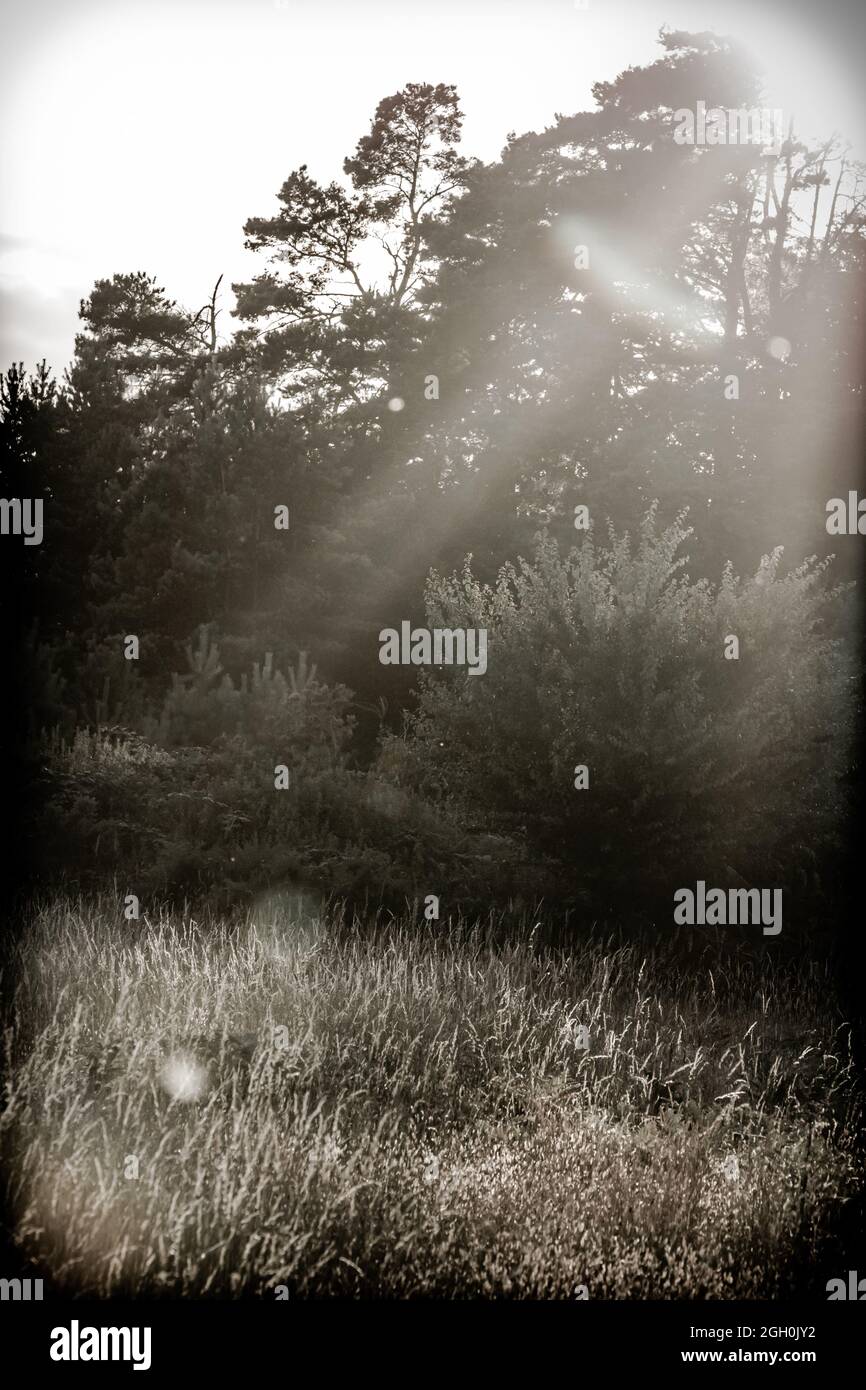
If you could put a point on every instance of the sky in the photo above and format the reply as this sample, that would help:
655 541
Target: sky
141 135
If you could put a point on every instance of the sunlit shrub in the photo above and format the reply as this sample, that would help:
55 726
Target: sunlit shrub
611 658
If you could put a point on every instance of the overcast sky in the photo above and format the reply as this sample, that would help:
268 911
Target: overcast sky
140 135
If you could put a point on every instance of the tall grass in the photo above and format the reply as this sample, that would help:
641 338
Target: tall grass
290 1103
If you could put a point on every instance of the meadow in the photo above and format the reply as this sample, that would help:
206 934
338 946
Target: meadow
284 1103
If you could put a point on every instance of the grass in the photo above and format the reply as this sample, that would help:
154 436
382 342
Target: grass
286 1104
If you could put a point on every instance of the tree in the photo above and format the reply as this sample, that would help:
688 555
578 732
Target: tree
200 545
330 322
134 329
605 383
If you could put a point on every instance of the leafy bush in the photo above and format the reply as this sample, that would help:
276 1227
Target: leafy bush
208 823
699 767
192 806
301 721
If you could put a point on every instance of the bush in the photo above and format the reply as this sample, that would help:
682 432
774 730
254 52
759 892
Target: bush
299 720
699 767
192 806
207 823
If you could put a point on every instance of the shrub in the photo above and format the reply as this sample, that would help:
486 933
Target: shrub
192 807
298 719
610 657
198 823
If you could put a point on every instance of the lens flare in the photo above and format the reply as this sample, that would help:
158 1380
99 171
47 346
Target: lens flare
183 1078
